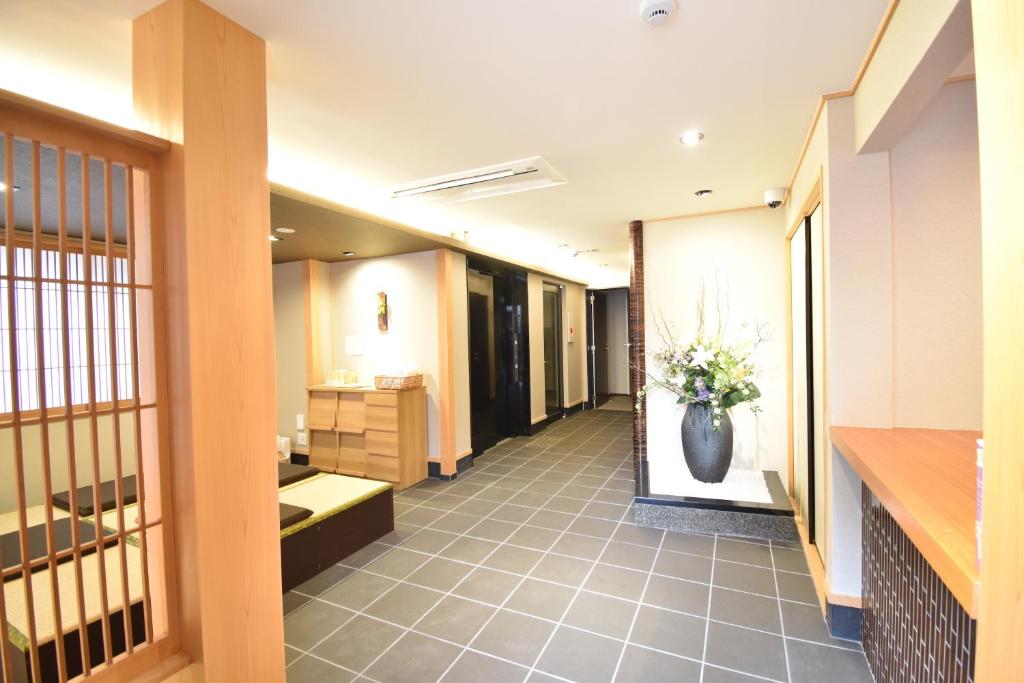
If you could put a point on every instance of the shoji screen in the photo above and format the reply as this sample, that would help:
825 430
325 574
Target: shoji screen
83 507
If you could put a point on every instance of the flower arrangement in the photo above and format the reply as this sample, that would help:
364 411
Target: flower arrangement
707 371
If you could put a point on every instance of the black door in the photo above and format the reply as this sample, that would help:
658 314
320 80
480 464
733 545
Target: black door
498 345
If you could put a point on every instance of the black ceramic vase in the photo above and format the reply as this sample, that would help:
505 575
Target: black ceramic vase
708 452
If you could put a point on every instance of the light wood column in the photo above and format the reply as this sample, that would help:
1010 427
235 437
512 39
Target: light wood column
317 324
200 81
446 362
999 62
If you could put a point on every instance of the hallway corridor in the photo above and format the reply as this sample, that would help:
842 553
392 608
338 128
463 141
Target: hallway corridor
528 568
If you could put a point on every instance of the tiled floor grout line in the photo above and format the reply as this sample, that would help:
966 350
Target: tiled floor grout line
639 606
707 622
524 467
572 602
398 581
528 572
577 628
782 623
467 534
457 584
576 557
497 547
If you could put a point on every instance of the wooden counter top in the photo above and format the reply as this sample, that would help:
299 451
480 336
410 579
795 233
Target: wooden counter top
927 480
369 388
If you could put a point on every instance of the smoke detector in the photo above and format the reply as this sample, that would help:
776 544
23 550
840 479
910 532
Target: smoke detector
656 12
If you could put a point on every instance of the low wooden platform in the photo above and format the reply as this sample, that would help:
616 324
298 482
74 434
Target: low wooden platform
349 513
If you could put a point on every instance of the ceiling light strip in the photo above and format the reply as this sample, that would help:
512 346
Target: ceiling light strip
460 182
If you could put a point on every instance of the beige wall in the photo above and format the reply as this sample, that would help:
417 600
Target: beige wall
574 311
460 340
290 338
745 252
410 281
937 266
32 451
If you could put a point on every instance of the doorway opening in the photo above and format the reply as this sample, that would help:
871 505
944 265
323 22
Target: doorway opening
808 411
608 347
498 359
553 378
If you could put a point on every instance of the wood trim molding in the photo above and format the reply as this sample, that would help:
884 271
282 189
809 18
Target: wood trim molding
852 90
446 362
44 111
875 42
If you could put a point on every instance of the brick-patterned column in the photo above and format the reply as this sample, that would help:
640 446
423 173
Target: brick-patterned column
637 348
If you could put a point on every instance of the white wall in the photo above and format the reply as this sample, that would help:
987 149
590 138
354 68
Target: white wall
747 254
618 335
32 453
290 345
410 281
936 216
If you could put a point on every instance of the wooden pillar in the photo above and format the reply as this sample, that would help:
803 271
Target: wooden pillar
446 363
317 322
199 80
999 62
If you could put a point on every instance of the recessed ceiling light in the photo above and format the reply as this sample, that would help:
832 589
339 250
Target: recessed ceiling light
349 253
285 231
274 238
691 137
703 193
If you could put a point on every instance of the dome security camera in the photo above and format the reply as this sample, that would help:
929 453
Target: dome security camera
774 197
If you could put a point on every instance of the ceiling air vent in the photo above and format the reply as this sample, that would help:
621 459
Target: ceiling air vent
479 183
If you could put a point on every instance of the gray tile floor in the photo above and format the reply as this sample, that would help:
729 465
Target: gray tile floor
529 568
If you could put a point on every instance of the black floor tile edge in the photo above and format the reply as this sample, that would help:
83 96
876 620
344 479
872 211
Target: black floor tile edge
843 622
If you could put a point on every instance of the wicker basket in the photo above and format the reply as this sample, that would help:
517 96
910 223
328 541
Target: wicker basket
398 383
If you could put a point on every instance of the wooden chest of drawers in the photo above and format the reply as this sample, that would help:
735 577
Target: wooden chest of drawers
379 434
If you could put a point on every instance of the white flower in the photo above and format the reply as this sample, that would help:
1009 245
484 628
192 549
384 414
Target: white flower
702 357
745 391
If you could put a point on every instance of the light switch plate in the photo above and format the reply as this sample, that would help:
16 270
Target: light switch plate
300 422
300 439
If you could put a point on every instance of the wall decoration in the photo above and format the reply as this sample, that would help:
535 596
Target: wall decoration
382 311
709 376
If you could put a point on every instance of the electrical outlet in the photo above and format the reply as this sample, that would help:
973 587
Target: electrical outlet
300 439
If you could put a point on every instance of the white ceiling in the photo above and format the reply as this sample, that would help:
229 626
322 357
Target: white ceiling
367 95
